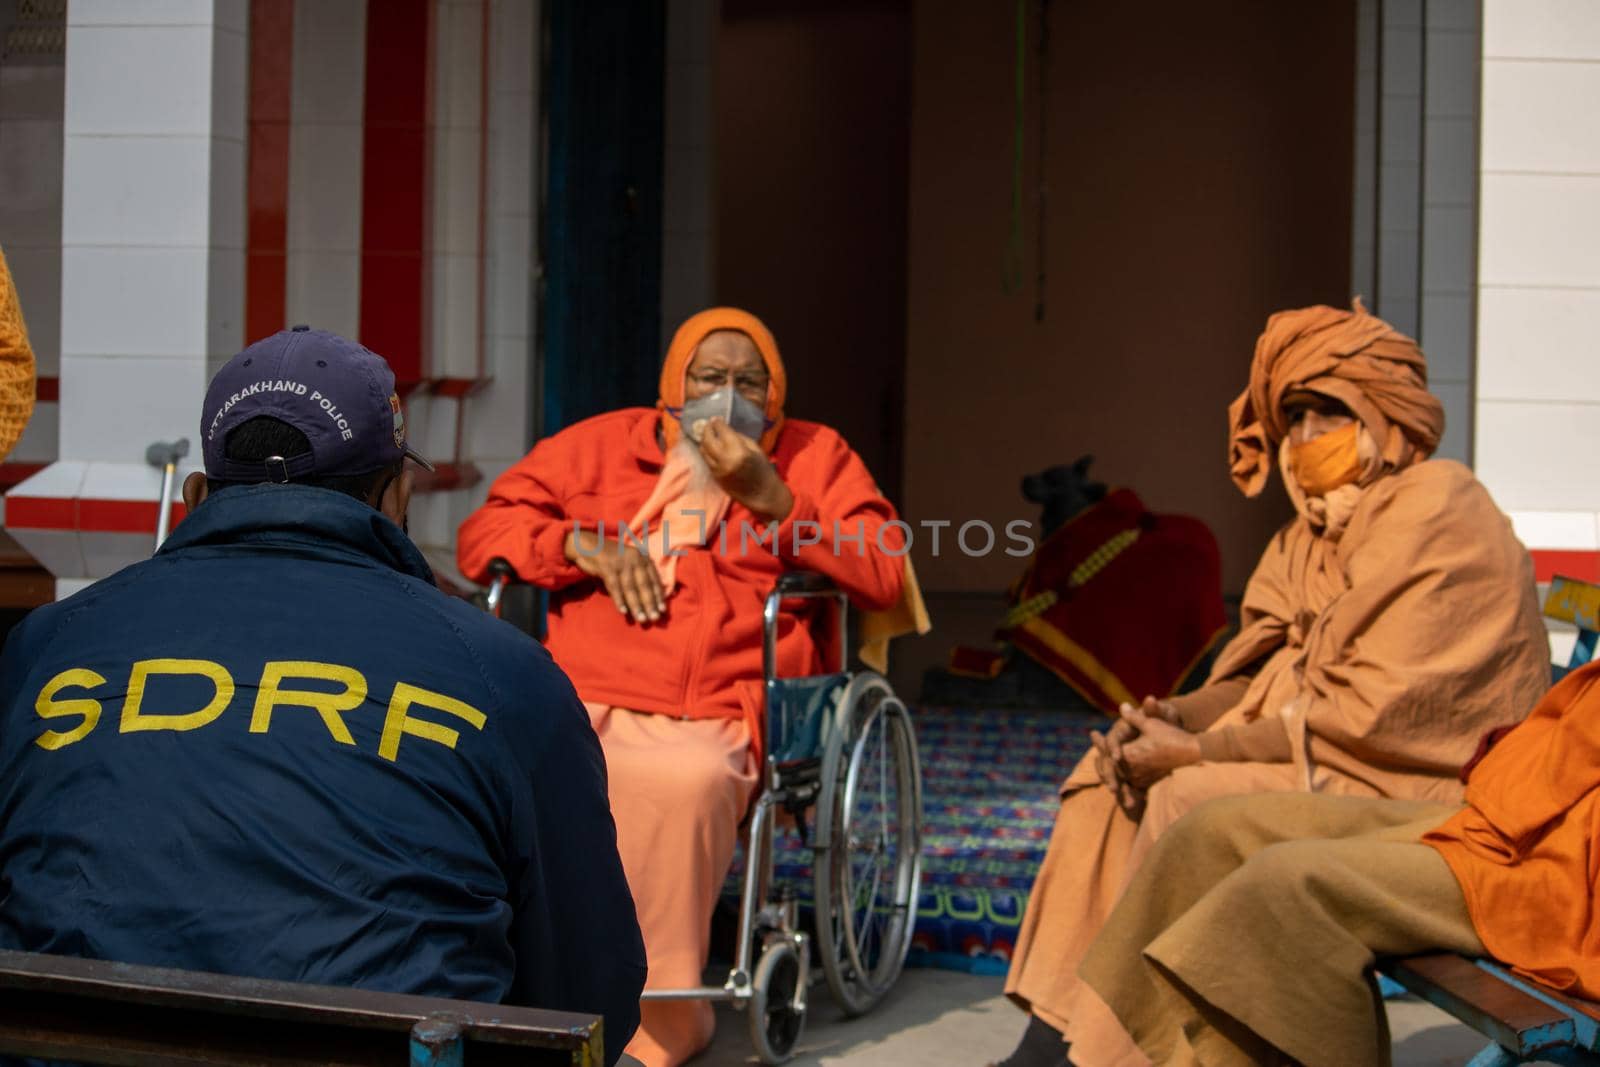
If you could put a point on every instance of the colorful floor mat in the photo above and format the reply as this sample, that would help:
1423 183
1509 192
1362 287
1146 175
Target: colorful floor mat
989 802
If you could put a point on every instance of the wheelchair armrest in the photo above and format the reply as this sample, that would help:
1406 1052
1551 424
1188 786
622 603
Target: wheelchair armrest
800 584
803 583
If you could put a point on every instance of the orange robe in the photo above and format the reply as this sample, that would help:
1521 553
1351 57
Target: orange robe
1524 847
676 703
1367 664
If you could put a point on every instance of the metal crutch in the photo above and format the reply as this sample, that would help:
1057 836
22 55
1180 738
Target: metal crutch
165 455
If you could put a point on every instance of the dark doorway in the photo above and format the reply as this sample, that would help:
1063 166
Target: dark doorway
813 126
601 321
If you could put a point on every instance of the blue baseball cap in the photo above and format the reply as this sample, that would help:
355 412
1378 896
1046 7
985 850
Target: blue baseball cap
337 392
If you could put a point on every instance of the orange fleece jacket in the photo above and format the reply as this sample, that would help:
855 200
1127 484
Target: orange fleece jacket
703 660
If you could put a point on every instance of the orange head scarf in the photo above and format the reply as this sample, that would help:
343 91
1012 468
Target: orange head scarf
1352 356
680 353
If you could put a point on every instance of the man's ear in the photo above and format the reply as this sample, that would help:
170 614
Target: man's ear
195 490
396 498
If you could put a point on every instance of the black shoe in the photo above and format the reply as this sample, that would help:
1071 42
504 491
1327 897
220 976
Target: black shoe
1042 1045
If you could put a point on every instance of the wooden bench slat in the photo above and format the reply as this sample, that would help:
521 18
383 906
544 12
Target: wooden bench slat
125 1014
1584 1014
1506 1014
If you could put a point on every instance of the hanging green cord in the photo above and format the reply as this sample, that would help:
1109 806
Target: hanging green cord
1011 270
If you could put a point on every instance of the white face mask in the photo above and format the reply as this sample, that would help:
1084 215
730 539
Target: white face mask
739 413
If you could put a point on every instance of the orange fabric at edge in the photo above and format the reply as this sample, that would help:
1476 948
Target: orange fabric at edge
1522 848
679 354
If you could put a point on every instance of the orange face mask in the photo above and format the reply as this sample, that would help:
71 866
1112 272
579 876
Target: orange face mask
1324 464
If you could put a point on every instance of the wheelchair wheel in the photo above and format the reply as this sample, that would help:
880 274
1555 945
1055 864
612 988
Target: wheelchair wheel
869 844
777 1003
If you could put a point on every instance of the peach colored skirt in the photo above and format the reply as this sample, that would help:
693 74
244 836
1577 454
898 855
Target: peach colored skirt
679 789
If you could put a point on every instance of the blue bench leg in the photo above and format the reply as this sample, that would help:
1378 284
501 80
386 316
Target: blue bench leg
1567 1056
437 1042
1493 1056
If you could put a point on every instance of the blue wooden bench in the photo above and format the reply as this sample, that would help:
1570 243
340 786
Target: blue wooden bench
93 1011
1578 603
1525 1021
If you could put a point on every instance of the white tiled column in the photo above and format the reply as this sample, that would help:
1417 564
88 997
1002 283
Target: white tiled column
152 238
1414 218
497 426
1449 212
1538 407
323 278
1400 164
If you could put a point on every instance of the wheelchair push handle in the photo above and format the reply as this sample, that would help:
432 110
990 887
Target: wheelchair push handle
501 575
802 585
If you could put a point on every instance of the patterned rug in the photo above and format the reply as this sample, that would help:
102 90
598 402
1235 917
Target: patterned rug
989 802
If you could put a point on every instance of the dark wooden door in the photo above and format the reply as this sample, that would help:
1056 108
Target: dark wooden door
604 71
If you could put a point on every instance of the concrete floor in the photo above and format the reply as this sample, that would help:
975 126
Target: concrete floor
940 1017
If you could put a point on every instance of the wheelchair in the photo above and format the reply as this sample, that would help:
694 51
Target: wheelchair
840 749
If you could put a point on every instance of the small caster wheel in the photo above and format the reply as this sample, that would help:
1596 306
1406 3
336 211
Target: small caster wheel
777 1003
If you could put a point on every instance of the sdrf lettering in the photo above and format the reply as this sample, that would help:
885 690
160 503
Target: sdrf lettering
274 691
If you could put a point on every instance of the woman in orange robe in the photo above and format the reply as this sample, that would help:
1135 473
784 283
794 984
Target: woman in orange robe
662 634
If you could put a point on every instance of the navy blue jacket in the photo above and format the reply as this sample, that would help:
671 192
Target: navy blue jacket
276 750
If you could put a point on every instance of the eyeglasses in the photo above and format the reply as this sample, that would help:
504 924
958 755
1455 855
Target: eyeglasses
745 383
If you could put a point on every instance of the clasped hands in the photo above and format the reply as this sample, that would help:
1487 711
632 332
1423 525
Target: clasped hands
738 466
1145 745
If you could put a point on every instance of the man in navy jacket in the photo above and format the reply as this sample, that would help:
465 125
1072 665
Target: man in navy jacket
276 749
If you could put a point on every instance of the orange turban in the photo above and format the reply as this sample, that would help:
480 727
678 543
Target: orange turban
1351 356
675 370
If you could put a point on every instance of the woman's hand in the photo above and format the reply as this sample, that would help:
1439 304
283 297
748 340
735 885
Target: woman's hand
628 574
743 472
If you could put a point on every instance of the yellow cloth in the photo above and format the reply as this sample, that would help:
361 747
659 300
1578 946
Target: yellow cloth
878 628
17 384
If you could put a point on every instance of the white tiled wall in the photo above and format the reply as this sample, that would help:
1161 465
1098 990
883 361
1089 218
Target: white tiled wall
323 278
1400 125
688 262
1414 217
498 419
152 229
1538 406
456 187
1449 212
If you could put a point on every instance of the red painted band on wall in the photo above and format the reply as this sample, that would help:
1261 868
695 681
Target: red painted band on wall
267 180
394 185
1582 564
87 515
47 390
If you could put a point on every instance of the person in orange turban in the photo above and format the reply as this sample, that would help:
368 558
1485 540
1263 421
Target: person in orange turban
1387 626
659 532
